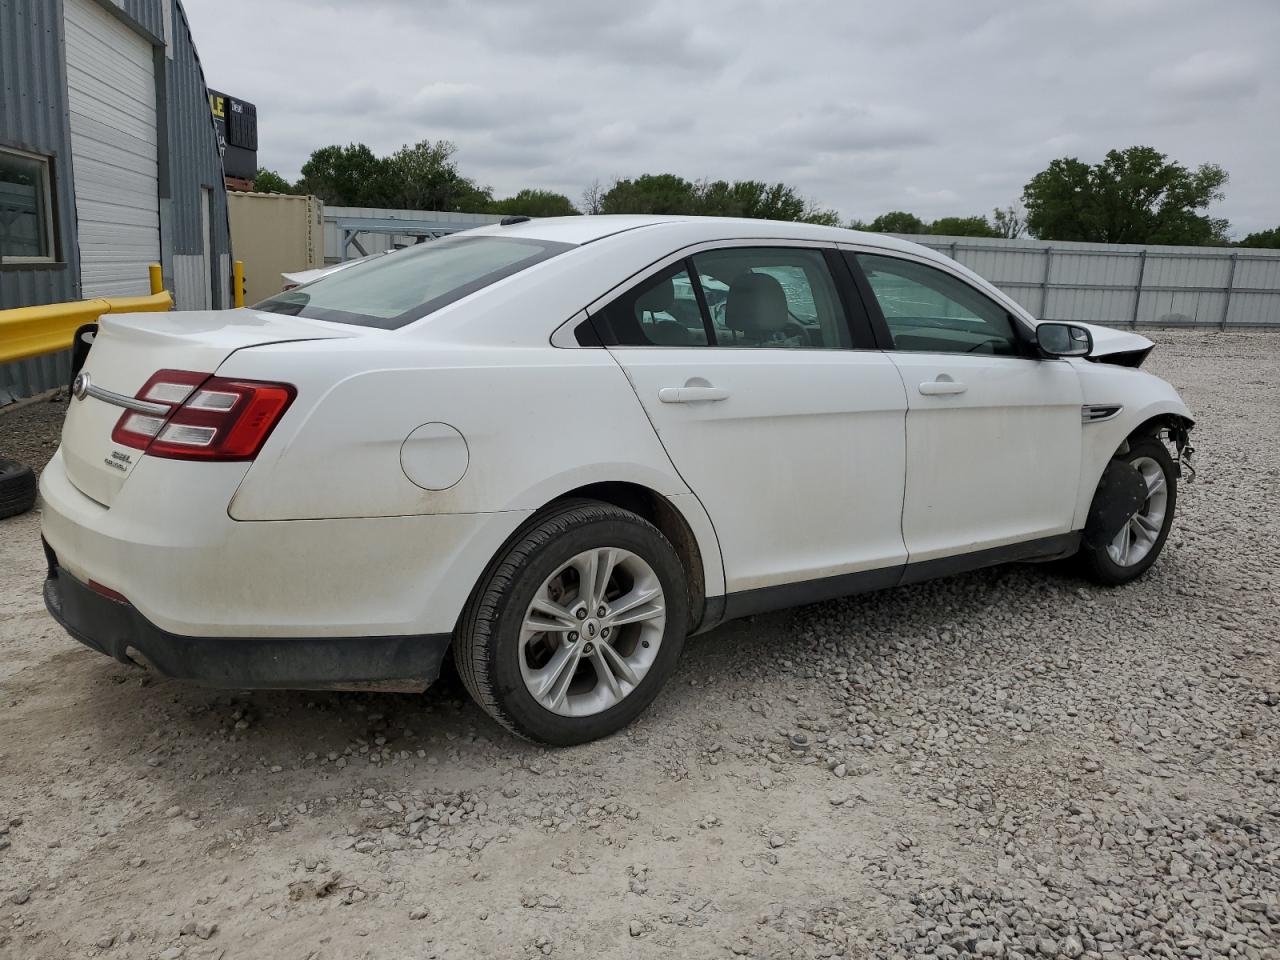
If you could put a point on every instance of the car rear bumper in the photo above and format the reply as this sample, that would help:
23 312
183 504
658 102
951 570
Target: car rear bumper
119 630
167 545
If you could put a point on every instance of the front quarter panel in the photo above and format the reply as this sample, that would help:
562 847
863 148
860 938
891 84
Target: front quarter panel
1143 396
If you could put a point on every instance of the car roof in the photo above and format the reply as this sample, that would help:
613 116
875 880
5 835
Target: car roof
588 229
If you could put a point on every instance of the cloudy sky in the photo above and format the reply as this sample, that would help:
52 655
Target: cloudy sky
934 106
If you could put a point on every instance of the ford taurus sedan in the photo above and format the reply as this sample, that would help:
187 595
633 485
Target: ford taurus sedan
553 449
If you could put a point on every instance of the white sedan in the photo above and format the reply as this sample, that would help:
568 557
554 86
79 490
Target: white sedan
553 449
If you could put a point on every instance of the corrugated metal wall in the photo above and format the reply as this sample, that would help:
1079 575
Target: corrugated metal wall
194 159
379 243
1127 284
147 14
112 86
33 117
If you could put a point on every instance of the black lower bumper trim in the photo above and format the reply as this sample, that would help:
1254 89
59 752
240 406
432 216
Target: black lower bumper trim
301 663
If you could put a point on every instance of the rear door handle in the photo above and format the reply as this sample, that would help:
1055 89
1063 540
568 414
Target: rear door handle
941 387
691 394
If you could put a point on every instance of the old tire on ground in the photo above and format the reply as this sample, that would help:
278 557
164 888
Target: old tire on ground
17 488
574 630
1135 548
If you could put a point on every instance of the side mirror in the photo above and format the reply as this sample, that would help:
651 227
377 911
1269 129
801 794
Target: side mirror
1064 340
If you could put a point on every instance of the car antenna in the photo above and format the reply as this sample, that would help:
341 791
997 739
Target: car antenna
508 221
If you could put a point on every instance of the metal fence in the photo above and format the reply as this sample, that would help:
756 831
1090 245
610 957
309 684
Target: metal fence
356 231
1127 284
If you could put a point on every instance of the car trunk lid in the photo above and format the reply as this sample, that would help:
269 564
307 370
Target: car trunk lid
127 350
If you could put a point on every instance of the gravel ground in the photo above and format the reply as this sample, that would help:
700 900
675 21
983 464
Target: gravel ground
29 431
1010 763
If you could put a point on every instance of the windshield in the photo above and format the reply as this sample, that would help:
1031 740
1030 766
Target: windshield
396 289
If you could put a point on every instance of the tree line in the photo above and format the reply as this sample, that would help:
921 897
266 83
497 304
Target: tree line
1135 195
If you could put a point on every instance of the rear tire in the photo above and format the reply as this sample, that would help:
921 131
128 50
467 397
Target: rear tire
582 677
17 488
1123 560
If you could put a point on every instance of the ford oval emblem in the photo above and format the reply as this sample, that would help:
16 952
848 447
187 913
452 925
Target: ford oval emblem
80 386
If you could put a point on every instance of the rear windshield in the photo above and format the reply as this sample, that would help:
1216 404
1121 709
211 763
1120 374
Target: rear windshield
390 291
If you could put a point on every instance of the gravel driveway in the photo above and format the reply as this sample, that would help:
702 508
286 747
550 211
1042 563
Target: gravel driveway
1010 763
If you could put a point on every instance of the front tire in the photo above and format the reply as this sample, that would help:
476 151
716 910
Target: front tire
575 629
1135 548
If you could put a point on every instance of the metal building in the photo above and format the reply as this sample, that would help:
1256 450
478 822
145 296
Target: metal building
108 156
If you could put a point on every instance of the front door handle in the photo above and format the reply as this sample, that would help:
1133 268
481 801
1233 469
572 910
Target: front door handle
691 394
944 386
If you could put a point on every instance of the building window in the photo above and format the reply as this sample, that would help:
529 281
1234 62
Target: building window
26 208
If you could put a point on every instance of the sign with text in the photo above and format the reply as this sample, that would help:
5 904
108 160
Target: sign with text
237 125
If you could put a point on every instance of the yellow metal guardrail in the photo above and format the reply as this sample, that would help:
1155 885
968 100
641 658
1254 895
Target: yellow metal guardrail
34 331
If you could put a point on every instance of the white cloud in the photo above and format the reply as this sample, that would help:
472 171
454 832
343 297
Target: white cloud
1211 74
936 107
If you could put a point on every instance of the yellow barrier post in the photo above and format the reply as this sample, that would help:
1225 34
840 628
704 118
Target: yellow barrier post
157 280
237 283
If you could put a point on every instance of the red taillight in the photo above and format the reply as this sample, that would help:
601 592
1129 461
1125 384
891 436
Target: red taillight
209 418
168 388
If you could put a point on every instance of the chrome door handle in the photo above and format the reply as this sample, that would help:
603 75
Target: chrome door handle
691 394
941 387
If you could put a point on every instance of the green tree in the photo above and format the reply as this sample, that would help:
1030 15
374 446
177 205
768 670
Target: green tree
1136 195
1269 239
962 227
820 217
761 201
651 193
420 176
897 221
535 203
349 176
667 193
268 181
749 198
424 176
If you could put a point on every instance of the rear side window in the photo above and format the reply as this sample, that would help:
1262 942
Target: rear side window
388 292
660 312
735 297
772 297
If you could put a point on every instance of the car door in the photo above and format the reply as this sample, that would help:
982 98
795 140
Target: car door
993 432
745 362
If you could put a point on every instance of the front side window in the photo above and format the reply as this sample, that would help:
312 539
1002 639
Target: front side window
772 297
928 310
26 208
391 291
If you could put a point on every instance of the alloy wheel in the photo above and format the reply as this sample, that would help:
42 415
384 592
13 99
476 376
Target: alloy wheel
591 632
